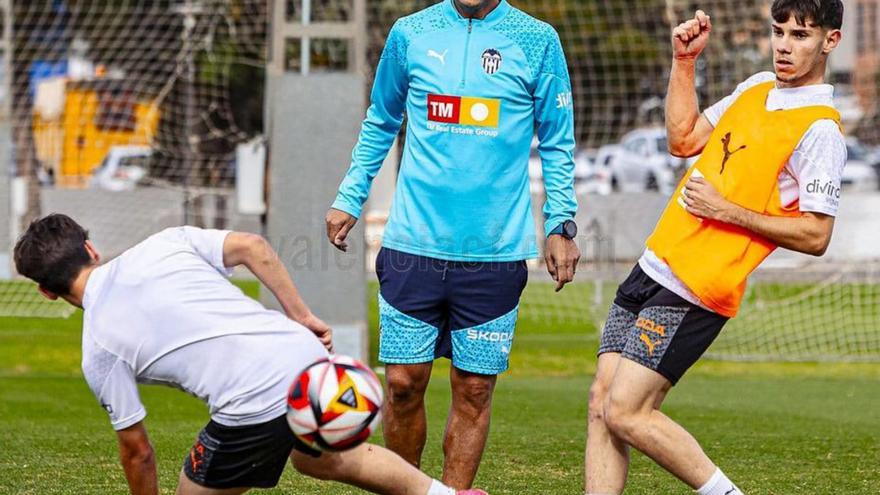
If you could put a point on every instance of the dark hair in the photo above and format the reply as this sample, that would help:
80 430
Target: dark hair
827 14
52 252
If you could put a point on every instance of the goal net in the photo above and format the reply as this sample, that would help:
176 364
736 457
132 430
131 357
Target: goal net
172 91
619 54
128 116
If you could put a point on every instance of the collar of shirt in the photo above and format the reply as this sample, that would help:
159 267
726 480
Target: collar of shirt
93 286
788 98
491 19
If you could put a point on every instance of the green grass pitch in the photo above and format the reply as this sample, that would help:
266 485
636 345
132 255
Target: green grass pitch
774 428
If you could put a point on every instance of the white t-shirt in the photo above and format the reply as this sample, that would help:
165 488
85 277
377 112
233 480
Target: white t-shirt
163 312
818 160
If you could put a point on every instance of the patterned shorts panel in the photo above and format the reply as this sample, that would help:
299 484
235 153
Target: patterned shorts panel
652 334
617 330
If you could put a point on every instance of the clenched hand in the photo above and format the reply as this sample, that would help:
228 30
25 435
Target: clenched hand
339 224
690 37
561 255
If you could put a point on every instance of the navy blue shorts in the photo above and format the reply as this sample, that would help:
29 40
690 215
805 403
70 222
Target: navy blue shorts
431 308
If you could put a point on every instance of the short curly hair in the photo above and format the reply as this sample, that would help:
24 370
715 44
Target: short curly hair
827 14
52 253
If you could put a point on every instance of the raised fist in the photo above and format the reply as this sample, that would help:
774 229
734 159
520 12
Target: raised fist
690 37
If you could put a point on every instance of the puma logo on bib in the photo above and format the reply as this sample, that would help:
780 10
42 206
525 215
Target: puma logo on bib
727 153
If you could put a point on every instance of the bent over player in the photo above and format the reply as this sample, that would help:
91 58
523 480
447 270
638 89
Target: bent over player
750 192
477 79
163 312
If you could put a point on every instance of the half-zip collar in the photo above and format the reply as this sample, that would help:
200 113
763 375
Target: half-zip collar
490 20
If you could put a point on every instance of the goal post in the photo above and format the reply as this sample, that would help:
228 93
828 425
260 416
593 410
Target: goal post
314 107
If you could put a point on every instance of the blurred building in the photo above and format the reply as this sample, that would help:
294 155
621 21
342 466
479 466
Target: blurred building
865 21
855 69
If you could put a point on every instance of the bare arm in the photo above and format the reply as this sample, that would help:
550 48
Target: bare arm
255 252
809 233
138 460
687 130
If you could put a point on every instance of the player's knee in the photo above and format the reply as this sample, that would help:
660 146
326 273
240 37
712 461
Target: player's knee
322 468
620 419
475 393
598 394
404 389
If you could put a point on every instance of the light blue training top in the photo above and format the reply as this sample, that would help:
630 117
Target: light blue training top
475 93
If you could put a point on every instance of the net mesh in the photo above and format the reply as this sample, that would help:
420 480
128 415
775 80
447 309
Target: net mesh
797 308
91 75
619 57
171 89
127 115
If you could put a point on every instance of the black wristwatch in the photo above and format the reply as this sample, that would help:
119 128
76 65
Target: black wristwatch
567 229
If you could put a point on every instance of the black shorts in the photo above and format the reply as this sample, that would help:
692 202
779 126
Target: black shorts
656 328
242 456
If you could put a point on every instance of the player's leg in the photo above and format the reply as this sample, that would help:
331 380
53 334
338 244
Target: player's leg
372 468
632 415
411 313
483 308
186 486
467 426
606 461
405 424
671 336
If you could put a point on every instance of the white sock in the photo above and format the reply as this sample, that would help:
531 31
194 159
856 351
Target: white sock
719 484
438 488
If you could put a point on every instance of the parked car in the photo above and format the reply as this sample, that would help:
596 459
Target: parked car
122 169
642 162
592 172
590 177
860 173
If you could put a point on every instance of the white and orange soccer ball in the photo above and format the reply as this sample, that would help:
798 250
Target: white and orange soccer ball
335 404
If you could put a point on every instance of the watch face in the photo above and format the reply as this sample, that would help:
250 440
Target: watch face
570 228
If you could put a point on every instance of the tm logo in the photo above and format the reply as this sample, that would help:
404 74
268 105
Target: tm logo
464 110
489 336
442 110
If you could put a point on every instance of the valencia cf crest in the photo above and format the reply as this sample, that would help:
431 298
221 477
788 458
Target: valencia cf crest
491 61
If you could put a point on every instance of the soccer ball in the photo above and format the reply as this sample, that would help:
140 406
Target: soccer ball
335 404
